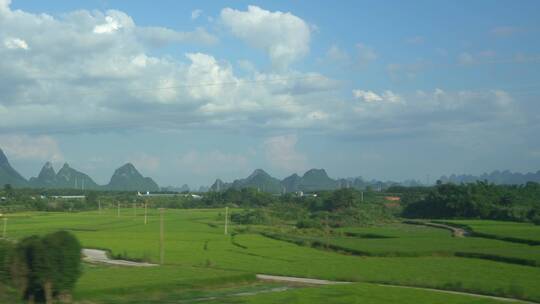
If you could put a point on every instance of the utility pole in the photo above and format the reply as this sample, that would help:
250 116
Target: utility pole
161 237
135 209
4 232
118 212
99 206
362 196
226 219
145 212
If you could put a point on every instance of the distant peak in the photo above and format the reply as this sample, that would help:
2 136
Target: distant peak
258 172
3 158
66 165
47 165
316 172
128 166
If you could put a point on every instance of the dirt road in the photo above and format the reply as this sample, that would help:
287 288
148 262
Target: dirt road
100 256
308 281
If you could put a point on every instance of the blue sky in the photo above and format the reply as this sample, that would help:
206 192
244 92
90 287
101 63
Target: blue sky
193 91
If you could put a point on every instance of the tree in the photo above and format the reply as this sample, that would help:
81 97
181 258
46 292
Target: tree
8 189
341 199
65 259
46 267
92 199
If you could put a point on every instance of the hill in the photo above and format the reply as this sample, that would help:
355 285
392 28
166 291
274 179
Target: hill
66 178
8 175
127 178
260 180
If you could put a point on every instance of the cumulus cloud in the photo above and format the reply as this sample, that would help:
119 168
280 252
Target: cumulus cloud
370 96
282 154
196 13
96 71
284 36
24 147
15 43
436 111
159 36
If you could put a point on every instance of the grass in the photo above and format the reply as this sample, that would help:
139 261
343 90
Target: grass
356 293
510 230
199 255
414 241
124 281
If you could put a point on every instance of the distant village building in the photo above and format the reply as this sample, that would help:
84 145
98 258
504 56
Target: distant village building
68 196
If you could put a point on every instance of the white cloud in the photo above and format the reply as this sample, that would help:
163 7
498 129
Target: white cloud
80 80
435 111
282 154
284 36
15 43
24 147
365 54
4 5
159 36
370 96
196 13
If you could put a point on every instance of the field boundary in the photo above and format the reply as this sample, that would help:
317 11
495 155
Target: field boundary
316 244
311 281
472 232
456 231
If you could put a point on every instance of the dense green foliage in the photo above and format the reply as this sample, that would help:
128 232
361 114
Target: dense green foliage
478 200
46 267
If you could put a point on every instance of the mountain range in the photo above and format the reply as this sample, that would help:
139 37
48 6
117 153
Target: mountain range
496 177
312 180
125 178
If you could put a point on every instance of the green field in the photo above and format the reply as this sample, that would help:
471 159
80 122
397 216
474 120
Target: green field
524 231
415 240
198 257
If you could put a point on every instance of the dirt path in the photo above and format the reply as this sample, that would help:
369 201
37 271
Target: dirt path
100 256
265 277
456 231
308 281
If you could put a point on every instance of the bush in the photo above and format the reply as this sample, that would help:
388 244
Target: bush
309 223
47 267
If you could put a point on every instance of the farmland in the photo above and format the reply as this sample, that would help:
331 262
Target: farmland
200 260
501 230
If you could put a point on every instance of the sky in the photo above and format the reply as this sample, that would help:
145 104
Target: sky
191 91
